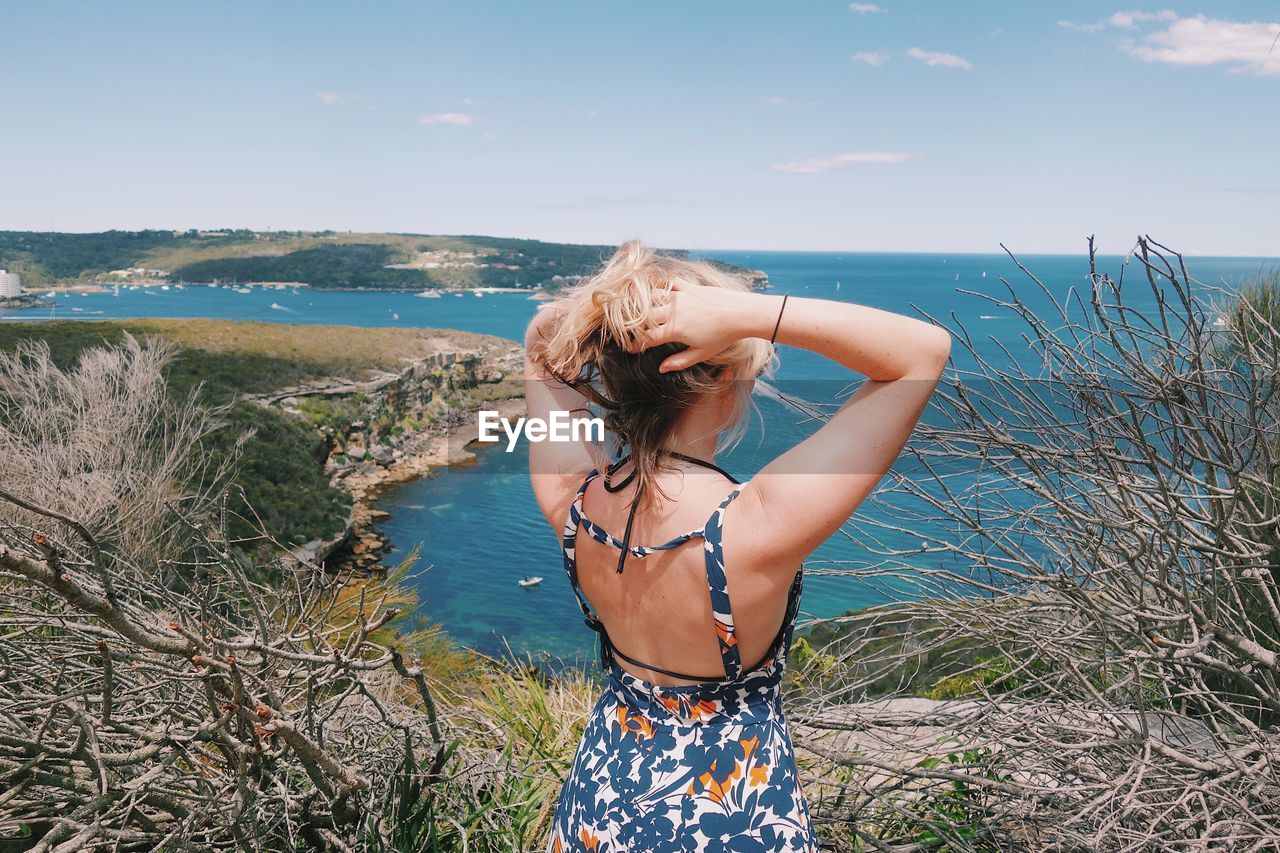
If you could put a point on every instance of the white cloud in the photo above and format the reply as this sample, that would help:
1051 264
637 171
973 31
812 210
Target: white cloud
826 164
470 102
1247 47
939 60
865 8
332 99
776 102
1080 28
1121 20
1130 18
874 58
460 119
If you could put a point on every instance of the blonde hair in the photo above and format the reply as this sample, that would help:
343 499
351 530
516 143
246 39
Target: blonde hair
586 348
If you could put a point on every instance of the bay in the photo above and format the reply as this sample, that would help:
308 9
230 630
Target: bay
477 527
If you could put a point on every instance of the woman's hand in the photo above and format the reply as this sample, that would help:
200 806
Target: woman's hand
707 320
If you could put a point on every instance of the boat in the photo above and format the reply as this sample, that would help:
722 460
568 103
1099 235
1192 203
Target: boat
428 294
243 290
395 316
532 580
164 287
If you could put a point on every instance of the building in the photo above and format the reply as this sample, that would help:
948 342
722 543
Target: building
10 284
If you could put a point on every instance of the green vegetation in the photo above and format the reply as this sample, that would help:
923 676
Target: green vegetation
347 266
321 259
954 816
280 473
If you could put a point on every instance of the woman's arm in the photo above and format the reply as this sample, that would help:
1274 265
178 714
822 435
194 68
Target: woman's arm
556 468
803 496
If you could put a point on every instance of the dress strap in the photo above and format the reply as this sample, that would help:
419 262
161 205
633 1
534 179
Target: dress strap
718 585
569 543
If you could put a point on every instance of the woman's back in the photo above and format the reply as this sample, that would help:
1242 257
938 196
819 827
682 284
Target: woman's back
658 610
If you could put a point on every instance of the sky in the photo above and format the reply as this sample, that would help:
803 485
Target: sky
752 124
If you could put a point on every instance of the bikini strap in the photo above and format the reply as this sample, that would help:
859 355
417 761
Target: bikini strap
718 585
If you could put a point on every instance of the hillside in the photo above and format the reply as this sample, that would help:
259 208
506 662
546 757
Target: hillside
281 478
320 259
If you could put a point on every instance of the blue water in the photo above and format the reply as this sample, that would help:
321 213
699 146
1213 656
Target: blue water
478 527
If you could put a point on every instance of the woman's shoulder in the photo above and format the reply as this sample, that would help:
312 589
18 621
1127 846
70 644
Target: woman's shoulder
555 492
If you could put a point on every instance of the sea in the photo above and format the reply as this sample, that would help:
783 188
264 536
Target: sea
475 530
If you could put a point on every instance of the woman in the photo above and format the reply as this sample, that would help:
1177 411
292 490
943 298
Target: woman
688 749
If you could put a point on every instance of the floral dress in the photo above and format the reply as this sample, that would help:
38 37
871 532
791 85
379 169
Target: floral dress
701 767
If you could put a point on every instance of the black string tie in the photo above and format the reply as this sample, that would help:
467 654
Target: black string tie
635 502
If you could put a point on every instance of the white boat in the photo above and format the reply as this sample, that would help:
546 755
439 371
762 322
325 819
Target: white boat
428 294
532 580
164 287
395 316
52 293
278 307
243 290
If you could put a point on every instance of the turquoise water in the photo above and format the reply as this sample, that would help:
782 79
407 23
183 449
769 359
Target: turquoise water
478 527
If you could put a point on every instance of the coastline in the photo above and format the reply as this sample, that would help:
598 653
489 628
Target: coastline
423 453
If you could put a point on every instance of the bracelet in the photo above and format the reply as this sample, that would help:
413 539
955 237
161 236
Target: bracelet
774 336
